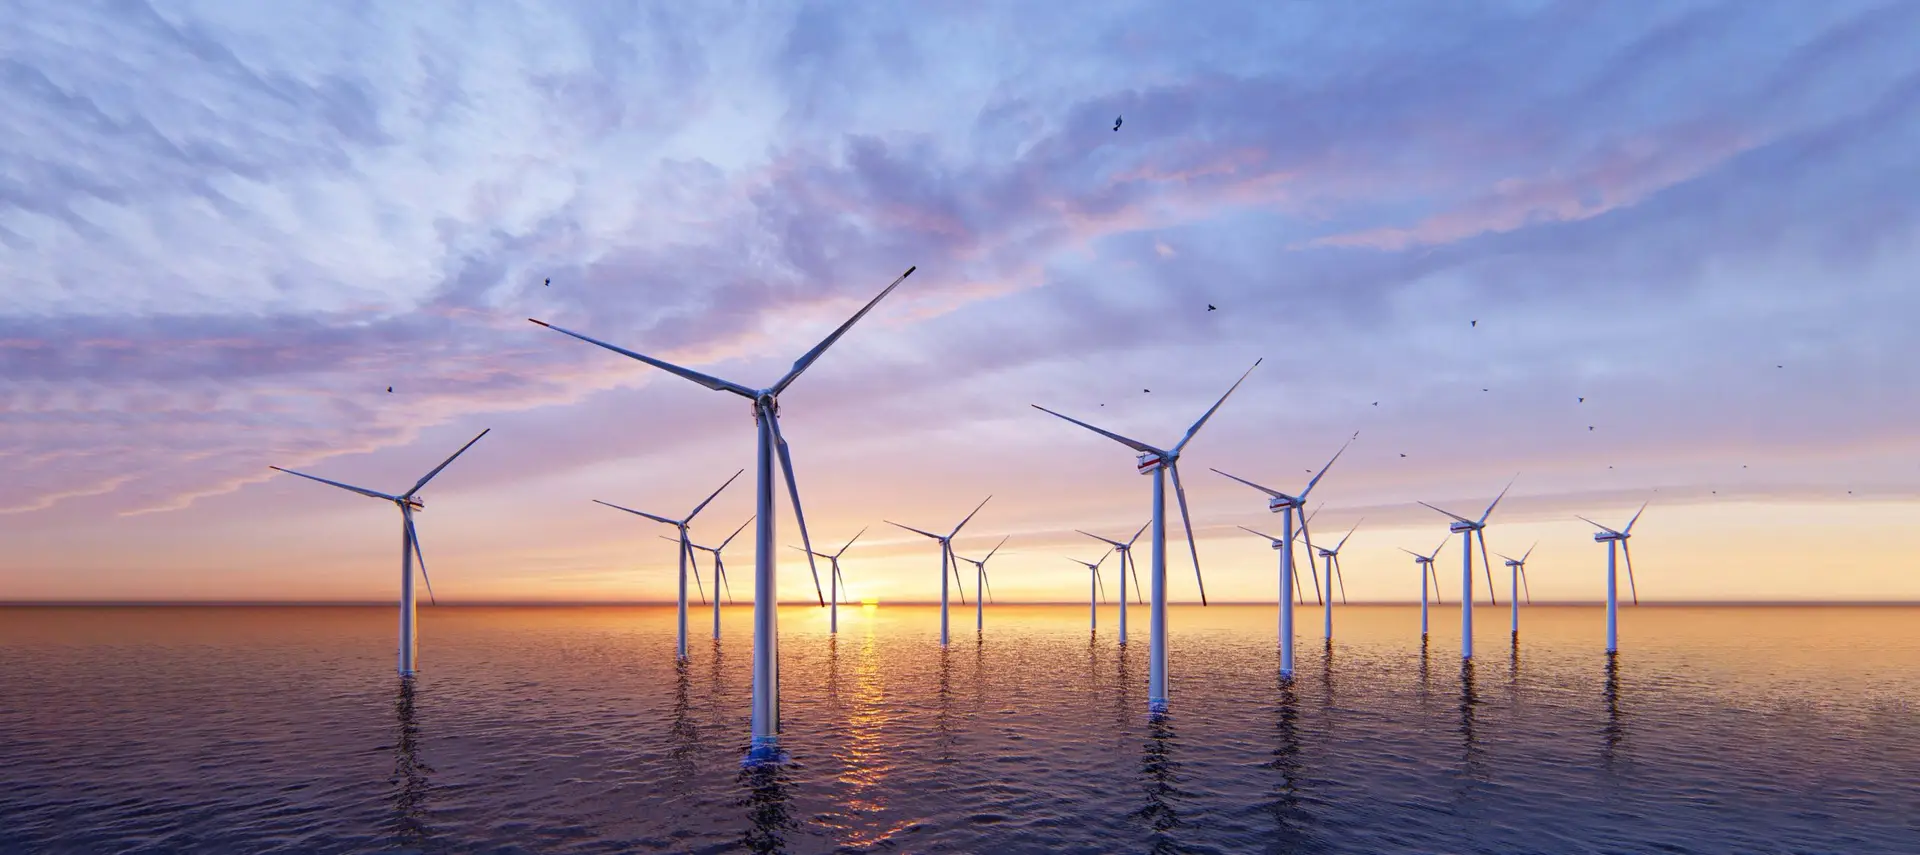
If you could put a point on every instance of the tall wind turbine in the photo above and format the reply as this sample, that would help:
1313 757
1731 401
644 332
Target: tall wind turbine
1292 507
835 583
1330 559
1616 542
1517 571
982 587
766 597
1425 565
1472 529
946 561
1126 567
719 573
1096 590
686 552
1158 463
408 502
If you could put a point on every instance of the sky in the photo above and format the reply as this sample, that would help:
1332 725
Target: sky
226 229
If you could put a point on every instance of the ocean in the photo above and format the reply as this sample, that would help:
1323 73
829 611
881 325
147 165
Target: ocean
574 730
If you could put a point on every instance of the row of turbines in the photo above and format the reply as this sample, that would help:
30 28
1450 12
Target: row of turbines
1160 463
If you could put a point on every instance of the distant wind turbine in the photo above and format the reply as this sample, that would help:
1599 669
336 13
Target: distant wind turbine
719 572
766 592
1291 507
946 561
1616 542
1096 590
408 502
1425 564
1517 570
1330 559
1472 529
835 582
1158 463
686 552
982 586
1127 568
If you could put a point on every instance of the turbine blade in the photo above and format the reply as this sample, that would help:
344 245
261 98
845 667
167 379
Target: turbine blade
1100 583
707 380
996 548
856 536
1529 553
1299 592
1136 535
720 570
1134 570
420 558
1209 414
1594 524
803 362
1306 537
1492 593
793 491
443 464
1130 443
1449 513
988 579
1193 548
1410 552
1628 552
1343 540
1435 554
917 531
716 494
693 561
730 537
958 580
963 523
844 596
1267 490
1323 470
1342 577
1438 597
1636 518
1496 499
361 490
1523 584
1260 533
653 517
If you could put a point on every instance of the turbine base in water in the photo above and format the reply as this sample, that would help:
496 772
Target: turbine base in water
765 752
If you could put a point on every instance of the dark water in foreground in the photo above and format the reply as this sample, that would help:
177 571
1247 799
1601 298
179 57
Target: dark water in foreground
572 730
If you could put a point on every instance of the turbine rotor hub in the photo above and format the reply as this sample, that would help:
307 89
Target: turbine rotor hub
1150 462
1459 527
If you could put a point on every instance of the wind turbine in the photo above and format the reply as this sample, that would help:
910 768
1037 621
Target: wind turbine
982 587
1158 462
408 502
1096 590
686 553
1292 507
1126 566
946 561
1616 542
719 572
1517 568
766 598
834 582
1472 529
1425 564
1330 559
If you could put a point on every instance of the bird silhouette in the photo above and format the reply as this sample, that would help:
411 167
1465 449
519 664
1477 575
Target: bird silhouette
549 282
1485 389
1589 427
1583 400
1211 307
389 390
1403 454
1473 323
1116 122
1376 403
1146 390
1779 366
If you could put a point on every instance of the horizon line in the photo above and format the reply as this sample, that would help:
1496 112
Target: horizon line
813 604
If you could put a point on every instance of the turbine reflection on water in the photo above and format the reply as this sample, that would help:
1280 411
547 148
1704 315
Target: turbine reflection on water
410 775
769 807
1159 771
1289 815
1610 691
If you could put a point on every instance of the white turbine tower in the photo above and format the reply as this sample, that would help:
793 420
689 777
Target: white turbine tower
686 553
1616 542
982 587
835 583
946 561
1472 529
1425 565
1158 463
1096 590
1330 559
1517 572
1126 567
766 597
1292 507
719 572
408 502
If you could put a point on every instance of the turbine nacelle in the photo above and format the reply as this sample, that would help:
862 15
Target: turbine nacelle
1605 536
1150 462
417 503
1459 527
1278 504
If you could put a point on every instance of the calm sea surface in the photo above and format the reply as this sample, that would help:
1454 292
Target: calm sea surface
573 730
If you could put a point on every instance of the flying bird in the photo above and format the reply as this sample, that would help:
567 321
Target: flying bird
1473 323
1589 427
1583 399
1485 389
1376 403
1210 307
389 390
1403 454
1116 122
1146 390
549 282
